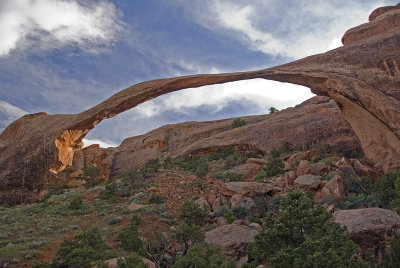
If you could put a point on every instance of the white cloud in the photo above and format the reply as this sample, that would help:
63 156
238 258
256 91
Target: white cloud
261 92
48 24
103 144
292 29
9 113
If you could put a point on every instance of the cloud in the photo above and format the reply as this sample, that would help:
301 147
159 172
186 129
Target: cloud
103 144
291 29
261 92
9 113
91 26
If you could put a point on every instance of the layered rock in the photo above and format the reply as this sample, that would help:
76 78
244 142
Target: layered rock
362 77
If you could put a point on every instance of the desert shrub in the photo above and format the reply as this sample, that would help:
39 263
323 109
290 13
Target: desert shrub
76 203
115 220
189 235
329 160
89 174
221 210
303 236
202 170
191 213
57 189
241 212
385 190
232 161
392 260
263 204
168 163
85 250
109 190
227 176
354 153
238 122
129 236
132 261
353 184
204 255
275 153
322 152
274 167
157 199
359 201
150 168
286 147
221 153
229 217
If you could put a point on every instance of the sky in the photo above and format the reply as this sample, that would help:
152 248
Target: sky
65 56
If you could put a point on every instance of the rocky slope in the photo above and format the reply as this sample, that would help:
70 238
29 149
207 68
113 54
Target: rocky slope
362 77
314 123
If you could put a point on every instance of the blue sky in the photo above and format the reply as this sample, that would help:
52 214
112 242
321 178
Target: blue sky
66 56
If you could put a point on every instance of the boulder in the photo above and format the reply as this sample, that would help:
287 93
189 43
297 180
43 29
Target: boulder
295 158
135 206
232 239
290 177
308 182
333 188
258 161
303 168
203 203
219 201
371 228
319 169
239 200
245 188
247 170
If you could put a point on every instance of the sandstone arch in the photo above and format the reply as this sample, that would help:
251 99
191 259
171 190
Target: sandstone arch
363 77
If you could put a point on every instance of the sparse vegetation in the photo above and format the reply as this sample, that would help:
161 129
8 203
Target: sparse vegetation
238 122
303 236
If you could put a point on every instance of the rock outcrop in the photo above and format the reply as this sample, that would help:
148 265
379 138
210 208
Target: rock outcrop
362 77
371 228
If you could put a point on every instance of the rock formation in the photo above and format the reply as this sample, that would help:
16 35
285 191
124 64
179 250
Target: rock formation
362 77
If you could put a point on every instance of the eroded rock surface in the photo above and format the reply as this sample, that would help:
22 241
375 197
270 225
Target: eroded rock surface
362 77
371 228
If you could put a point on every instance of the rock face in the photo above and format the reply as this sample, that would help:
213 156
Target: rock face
232 239
362 77
371 228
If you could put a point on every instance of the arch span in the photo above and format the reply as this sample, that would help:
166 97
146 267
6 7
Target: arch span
363 77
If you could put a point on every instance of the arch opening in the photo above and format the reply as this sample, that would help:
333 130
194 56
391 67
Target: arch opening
206 103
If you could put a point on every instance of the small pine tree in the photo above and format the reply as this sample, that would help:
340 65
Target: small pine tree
238 122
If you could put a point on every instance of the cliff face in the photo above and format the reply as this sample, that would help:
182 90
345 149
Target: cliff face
362 77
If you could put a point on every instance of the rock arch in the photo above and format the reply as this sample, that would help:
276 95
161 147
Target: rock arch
363 77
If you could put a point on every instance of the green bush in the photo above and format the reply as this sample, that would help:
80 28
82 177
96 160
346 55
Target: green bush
85 250
204 255
273 110
241 212
109 190
354 153
191 213
157 199
221 153
385 189
227 176
392 260
131 261
329 160
189 235
76 203
221 210
275 153
89 174
274 167
150 168
286 147
303 236
129 236
238 122
232 161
